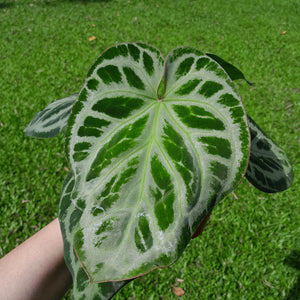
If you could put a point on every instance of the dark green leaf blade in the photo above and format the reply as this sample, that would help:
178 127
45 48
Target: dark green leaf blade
269 168
233 72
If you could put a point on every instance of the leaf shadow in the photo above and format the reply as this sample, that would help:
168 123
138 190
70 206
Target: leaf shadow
88 1
6 5
83 2
293 261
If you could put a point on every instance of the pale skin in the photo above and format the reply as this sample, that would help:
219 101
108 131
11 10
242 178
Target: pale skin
36 269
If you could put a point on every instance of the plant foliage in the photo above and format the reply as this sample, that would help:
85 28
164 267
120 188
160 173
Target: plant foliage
52 119
153 145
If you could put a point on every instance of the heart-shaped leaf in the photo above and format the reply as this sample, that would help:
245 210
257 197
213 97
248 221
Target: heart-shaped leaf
269 168
149 166
275 176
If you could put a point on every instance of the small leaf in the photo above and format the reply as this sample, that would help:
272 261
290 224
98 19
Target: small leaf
178 291
269 168
92 38
52 119
233 72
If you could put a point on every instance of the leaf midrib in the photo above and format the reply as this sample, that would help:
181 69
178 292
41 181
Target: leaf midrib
151 140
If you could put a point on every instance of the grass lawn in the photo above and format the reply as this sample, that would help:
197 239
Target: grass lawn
251 246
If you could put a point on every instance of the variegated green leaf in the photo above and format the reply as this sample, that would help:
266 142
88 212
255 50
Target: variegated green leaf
147 166
51 120
269 168
82 288
282 170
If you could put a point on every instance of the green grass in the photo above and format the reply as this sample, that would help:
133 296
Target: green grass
251 247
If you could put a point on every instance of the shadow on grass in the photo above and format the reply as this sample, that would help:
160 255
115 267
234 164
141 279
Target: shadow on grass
293 261
88 1
84 2
6 5
11 4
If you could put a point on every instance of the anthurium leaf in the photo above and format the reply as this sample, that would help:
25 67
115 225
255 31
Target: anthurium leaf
82 288
233 72
52 119
262 178
148 165
269 168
